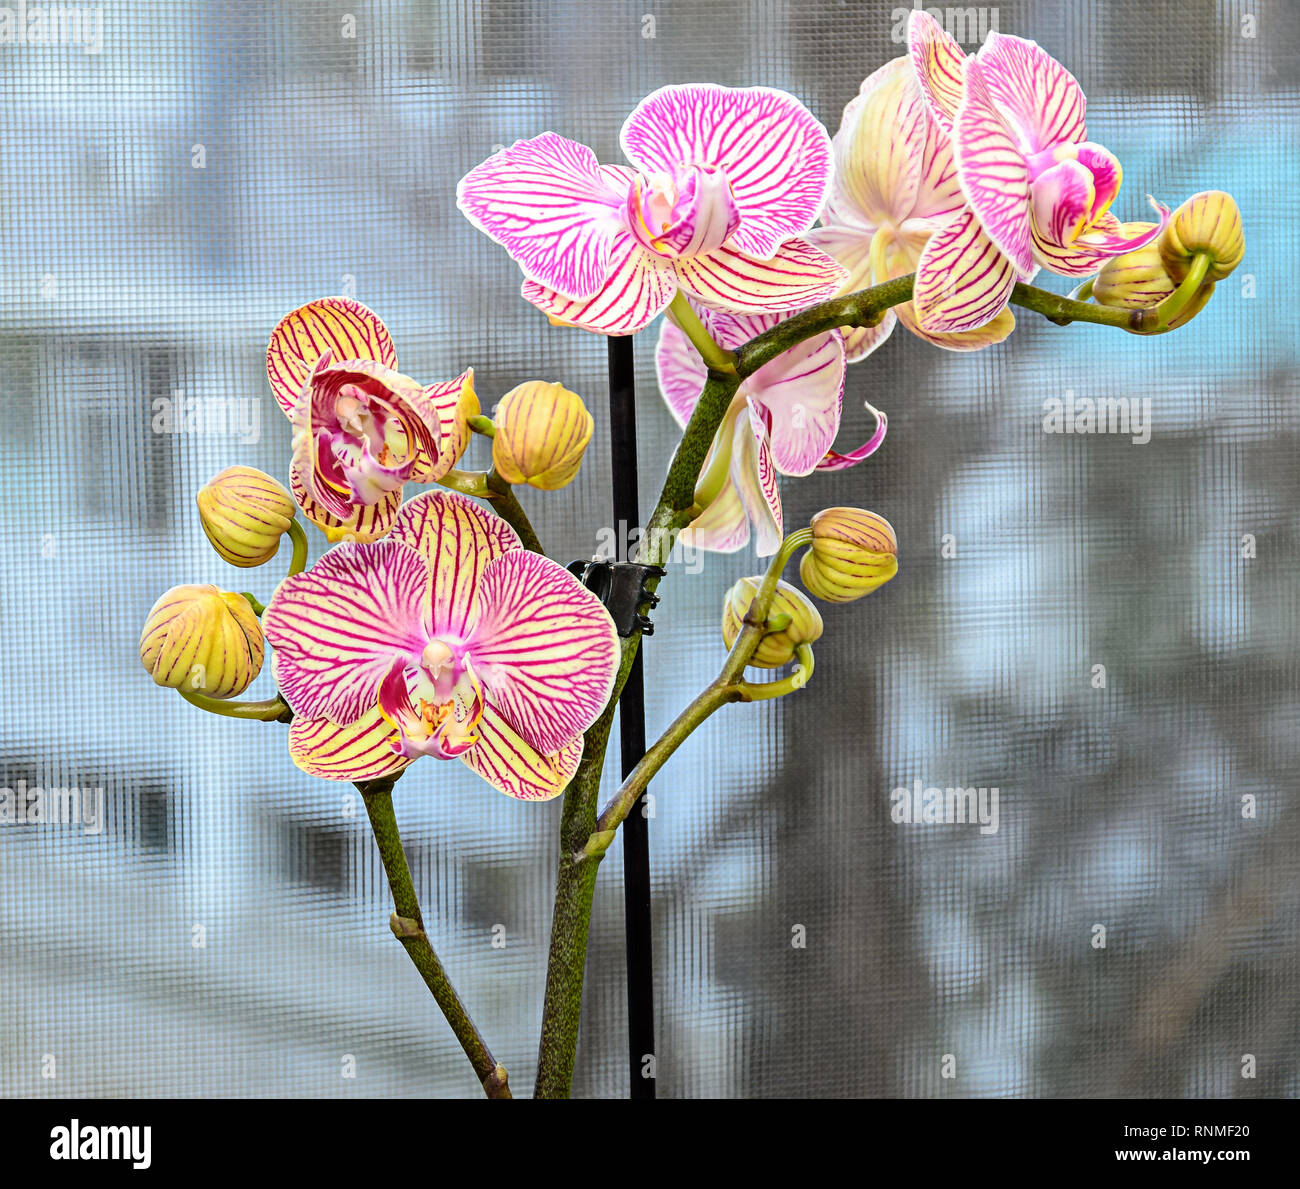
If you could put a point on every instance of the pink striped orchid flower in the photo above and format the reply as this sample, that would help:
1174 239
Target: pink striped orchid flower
895 186
783 419
723 184
361 429
1038 190
445 639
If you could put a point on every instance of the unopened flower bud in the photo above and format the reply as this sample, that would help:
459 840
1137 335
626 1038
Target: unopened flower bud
853 552
1139 280
244 513
1209 222
801 622
202 640
542 431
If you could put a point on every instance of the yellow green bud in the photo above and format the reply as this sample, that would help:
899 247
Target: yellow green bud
1139 280
244 513
542 431
799 621
1209 222
853 552
202 640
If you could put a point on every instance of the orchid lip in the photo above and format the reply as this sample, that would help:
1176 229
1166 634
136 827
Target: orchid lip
690 213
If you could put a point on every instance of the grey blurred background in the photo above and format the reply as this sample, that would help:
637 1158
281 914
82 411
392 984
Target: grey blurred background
168 193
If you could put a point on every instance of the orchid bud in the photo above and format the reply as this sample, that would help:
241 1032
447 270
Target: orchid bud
202 640
853 552
1209 222
244 513
542 431
1138 280
801 622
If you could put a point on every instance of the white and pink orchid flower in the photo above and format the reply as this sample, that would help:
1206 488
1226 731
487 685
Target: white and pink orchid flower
1038 190
783 419
723 183
895 186
361 429
445 639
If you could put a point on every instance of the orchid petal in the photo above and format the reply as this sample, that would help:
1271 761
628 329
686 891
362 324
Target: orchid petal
337 627
1106 171
363 750
1090 251
544 647
994 173
796 276
993 331
639 287
345 328
754 475
1036 95
551 206
512 766
1063 198
879 145
834 461
723 527
449 406
682 372
962 280
365 522
775 153
938 194
458 540
802 390
940 66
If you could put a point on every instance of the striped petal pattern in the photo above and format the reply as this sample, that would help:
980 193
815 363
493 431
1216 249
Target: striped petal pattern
511 765
548 203
458 540
774 152
449 406
365 522
796 275
1038 98
364 750
993 171
962 280
639 287
544 647
345 328
940 67
1107 239
338 627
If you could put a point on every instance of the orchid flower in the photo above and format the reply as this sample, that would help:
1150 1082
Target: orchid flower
361 429
1038 190
723 182
895 186
783 418
445 639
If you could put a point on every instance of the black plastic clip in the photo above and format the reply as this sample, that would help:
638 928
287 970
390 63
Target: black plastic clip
621 587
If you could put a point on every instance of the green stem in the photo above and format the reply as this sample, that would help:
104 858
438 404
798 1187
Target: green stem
716 358
787 685
298 559
728 686
511 511
466 482
1064 310
483 425
272 710
407 924
258 607
1176 302
571 920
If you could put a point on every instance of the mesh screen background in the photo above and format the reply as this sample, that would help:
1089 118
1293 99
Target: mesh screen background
165 200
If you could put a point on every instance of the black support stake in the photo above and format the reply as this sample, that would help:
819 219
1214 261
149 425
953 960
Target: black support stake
631 727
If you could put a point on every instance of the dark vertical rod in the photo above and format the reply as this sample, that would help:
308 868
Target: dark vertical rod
631 727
